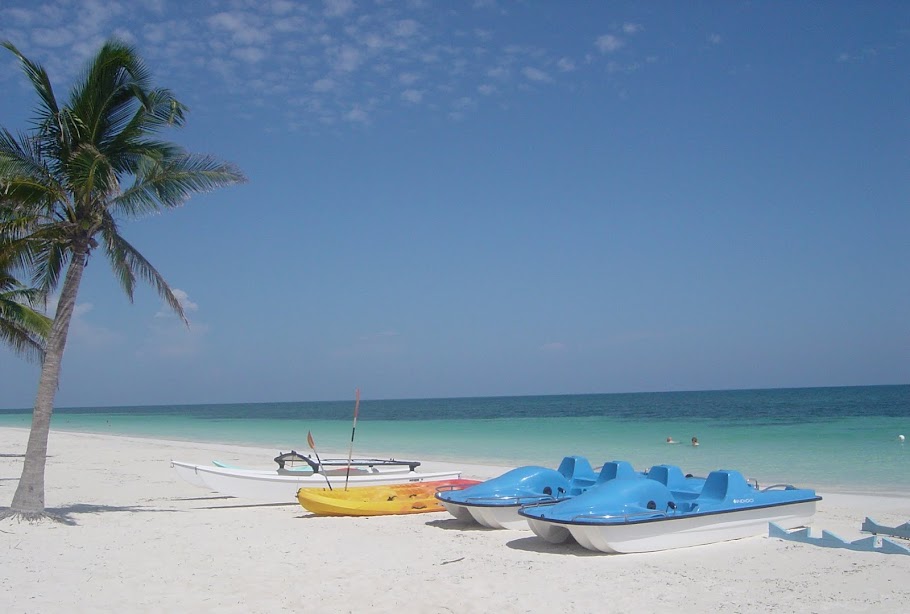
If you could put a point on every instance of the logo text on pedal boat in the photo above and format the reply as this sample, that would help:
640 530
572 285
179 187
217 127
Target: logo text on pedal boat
743 500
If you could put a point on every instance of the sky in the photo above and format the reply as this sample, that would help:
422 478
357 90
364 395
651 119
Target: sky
486 198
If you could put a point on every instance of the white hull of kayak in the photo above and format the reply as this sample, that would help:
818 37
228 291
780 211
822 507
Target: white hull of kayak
676 532
275 488
188 473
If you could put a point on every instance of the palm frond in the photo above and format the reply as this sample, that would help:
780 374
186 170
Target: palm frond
49 262
169 183
21 327
41 82
137 264
112 243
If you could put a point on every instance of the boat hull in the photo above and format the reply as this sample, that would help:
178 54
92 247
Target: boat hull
276 488
676 532
498 517
187 473
411 498
460 512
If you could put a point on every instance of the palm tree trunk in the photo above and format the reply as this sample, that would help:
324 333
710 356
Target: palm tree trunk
29 498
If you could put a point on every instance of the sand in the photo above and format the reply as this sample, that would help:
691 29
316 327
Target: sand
142 540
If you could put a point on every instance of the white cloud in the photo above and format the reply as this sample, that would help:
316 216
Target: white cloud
374 42
465 102
500 72
323 85
347 59
282 7
860 56
714 39
240 28
565 65
183 298
56 37
407 78
249 54
20 16
168 336
405 28
368 55
357 115
608 43
337 8
535 74
413 96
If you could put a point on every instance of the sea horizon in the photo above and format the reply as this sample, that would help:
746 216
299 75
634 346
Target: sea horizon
459 397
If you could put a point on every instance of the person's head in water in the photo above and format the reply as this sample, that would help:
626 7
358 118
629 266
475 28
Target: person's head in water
695 441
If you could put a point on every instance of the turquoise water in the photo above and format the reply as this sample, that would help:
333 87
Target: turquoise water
843 439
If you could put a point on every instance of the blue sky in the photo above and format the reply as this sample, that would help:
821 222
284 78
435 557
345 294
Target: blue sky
502 198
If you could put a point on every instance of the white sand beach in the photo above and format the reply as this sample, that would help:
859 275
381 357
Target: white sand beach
142 540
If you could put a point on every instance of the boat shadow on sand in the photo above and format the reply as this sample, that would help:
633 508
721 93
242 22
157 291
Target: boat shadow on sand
453 524
526 544
535 544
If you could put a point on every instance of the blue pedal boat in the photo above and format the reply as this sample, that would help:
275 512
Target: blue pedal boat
495 503
625 516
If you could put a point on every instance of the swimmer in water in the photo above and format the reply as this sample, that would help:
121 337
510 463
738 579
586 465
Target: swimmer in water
695 441
670 440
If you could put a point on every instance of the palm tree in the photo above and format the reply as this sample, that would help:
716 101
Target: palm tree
21 327
83 166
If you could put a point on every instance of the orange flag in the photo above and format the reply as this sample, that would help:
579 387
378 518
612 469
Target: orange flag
310 442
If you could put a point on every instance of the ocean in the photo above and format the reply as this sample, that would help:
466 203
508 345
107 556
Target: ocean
833 439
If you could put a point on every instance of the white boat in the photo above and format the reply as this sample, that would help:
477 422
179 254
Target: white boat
644 516
274 488
188 473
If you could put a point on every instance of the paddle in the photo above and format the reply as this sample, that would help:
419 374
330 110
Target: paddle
353 428
312 444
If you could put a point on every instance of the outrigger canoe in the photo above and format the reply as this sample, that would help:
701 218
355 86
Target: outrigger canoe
331 467
413 498
275 488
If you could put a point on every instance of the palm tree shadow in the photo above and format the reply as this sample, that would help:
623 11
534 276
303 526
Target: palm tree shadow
245 505
65 515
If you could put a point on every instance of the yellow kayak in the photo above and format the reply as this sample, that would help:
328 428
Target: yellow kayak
407 498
